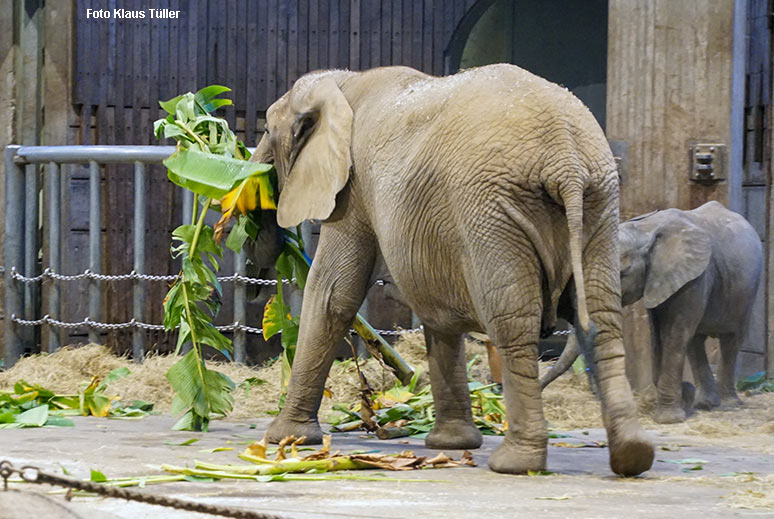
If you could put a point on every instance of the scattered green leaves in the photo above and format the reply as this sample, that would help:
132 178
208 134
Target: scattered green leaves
411 409
31 405
757 382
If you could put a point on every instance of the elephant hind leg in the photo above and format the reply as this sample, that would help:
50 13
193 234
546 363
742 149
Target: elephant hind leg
454 427
631 451
706 388
512 311
729 351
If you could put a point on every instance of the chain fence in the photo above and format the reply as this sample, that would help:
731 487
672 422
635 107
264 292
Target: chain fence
49 274
235 326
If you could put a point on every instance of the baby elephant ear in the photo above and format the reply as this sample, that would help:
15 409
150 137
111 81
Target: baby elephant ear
680 253
320 158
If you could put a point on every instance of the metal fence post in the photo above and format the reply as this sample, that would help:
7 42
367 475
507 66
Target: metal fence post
138 295
31 290
240 261
95 238
13 343
188 202
54 242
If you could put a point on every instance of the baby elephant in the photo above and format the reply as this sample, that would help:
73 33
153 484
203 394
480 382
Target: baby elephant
697 273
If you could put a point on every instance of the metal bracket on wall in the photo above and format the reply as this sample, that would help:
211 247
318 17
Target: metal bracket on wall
708 162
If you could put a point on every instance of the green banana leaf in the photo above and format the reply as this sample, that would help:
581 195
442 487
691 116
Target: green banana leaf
210 175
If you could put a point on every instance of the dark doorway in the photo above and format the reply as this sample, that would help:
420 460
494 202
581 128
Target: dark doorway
564 42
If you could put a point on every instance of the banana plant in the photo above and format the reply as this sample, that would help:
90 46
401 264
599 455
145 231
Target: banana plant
212 163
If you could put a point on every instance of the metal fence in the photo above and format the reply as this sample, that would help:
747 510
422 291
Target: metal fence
23 219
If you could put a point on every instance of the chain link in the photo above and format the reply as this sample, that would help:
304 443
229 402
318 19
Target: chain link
236 326
88 274
32 474
46 319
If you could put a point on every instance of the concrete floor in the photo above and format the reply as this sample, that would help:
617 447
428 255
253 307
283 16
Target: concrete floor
583 487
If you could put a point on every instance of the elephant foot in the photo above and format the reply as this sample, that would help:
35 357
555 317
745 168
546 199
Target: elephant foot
689 395
282 427
730 401
671 414
454 435
707 401
631 454
510 458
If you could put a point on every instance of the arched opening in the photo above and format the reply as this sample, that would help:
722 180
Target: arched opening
564 42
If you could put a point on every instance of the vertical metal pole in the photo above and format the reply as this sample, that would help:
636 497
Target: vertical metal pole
95 238
240 261
188 204
54 262
188 201
13 344
138 296
31 290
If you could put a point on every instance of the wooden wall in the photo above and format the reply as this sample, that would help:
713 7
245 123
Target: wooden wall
670 83
122 67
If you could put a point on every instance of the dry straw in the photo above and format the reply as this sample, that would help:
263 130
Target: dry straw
567 402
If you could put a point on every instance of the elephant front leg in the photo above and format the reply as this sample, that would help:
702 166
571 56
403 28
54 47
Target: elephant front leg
336 286
454 427
676 330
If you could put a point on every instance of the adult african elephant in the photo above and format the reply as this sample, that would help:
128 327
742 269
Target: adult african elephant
485 192
697 272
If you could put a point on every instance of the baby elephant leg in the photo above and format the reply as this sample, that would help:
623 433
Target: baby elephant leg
706 388
729 350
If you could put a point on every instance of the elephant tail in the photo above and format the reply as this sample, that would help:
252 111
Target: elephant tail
572 196
566 359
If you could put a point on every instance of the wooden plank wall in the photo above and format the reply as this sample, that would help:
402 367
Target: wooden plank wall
669 84
258 48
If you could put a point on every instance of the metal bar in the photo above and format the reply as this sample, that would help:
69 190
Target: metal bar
100 154
31 290
188 201
54 242
95 238
138 296
240 312
13 343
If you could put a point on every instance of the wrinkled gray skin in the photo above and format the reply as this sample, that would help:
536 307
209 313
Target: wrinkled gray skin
698 273
485 192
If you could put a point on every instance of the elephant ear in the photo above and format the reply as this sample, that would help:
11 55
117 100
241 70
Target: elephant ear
320 156
680 253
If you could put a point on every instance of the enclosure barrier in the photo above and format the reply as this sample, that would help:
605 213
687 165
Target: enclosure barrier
22 206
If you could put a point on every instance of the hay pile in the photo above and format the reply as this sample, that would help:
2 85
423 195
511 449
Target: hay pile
67 370
567 402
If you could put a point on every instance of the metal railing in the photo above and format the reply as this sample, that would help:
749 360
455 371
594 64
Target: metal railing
21 245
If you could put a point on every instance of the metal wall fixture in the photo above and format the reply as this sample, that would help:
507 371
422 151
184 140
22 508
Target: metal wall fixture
708 162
